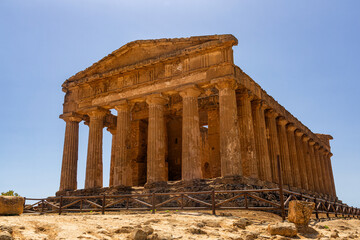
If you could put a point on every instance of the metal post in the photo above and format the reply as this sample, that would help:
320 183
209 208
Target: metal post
103 205
281 189
61 202
153 203
213 202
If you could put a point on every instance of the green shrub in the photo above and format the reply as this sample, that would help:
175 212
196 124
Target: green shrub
9 193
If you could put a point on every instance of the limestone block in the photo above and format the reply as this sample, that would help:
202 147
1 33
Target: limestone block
300 212
283 229
10 205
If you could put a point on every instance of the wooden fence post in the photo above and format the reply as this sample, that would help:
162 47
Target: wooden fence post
42 206
61 202
213 202
281 193
182 201
153 203
316 210
103 205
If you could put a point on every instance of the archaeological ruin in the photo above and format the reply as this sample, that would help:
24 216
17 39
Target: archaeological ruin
185 112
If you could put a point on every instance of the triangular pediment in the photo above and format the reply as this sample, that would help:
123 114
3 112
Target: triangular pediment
147 51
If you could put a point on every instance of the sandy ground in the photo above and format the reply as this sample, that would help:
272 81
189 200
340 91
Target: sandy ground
167 225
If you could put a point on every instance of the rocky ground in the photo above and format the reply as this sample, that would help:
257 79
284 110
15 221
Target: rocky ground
239 225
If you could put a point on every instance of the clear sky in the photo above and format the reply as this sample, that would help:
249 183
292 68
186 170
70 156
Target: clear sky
303 53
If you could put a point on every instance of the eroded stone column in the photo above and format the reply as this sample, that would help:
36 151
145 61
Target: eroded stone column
307 159
318 168
262 151
273 142
229 129
156 169
122 168
325 172
301 159
331 174
314 166
68 179
214 142
247 136
112 157
295 169
191 161
284 151
94 165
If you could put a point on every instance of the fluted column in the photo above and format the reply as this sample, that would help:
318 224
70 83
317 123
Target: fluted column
307 159
156 169
325 172
301 159
262 151
214 142
94 165
295 169
112 157
68 179
314 166
247 136
122 168
318 168
284 151
191 161
332 182
229 129
273 142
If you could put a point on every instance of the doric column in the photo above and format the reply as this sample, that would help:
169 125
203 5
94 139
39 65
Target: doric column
229 129
284 151
112 157
325 172
295 169
273 142
318 168
214 142
68 179
262 151
156 169
191 162
247 136
94 165
307 159
332 182
122 168
314 166
301 159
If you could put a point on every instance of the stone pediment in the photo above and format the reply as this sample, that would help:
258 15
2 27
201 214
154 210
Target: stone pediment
140 53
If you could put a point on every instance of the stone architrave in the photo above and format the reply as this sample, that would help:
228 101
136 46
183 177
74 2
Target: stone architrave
318 168
305 142
112 157
273 142
295 169
191 164
94 165
156 169
262 151
229 129
284 151
68 179
314 166
247 135
301 159
122 168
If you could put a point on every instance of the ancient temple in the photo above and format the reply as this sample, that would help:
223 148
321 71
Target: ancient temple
185 111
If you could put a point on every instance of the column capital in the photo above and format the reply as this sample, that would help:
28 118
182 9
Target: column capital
305 138
97 112
317 146
71 117
244 93
298 133
311 142
157 99
257 103
282 121
271 113
123 106
290 127
189 91
228 83
112 130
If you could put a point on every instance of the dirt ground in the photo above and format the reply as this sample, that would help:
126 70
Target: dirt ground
167 225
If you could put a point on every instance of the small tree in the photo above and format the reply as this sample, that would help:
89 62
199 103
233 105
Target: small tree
9 193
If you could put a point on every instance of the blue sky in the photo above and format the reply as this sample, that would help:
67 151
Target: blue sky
303 53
